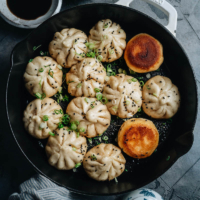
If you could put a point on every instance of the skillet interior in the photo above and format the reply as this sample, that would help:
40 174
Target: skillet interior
176 65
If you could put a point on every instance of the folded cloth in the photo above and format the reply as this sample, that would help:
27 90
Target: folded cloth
40 188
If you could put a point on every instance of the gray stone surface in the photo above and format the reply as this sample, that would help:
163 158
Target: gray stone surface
182 180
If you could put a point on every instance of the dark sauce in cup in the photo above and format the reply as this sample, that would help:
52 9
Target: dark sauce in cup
29 9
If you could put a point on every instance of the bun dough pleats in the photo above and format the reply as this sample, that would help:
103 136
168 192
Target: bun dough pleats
92 115
64 150
109 40
84 77
104 162
161 98
42 117
68 47
124 95
42 75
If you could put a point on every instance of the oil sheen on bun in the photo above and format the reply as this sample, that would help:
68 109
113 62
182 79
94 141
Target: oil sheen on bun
138 137
143 53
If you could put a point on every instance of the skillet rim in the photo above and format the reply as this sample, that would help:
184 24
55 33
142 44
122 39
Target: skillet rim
132 10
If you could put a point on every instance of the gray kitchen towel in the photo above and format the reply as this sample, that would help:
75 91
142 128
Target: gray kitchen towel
40 188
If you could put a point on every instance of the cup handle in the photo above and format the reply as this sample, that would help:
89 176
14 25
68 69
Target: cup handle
164 6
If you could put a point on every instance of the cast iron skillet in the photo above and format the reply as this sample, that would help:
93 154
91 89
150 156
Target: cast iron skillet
180 135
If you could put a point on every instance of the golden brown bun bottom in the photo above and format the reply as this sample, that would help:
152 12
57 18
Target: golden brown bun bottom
143 53
138 137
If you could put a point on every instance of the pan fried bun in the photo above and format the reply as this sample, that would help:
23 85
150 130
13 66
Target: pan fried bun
143 53
138 137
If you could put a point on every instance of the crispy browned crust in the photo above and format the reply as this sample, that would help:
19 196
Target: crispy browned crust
138 137
143 53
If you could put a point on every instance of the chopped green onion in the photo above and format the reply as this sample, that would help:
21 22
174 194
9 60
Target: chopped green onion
42 125
90 140
41 70
73 126
99 96
148 87
99 58
168 158
127 102
77 134
77 165
51 73
91 106
90 54
41 53
126 170
116 180
30 60
120 70
154 95
38 95
139 77
90 45
58 112
104 37
80 54
60 125
60 89
45 118
111 51
107 78
104 100
70 82
105 25
87 100
77 122
97 90
142 83
74 148
109 69
65 119
131 80
79 85
93 157
113 74
131 71
65 98
114 108
105 137
104 69
124 72
36 47
59 67
108 74
139 109
82 130
40 84
51 133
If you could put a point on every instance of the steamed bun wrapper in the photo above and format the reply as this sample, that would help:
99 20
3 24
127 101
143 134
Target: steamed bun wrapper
65 149
33 117
93 116
124 96
161 98
84 77
109 39
43 76
68 47
104 162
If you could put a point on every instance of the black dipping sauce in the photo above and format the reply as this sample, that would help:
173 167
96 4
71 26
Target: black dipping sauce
29 9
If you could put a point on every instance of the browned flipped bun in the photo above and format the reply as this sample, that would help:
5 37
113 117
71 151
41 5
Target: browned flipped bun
138 137
143 53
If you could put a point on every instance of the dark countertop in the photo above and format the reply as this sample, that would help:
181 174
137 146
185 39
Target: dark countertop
182 180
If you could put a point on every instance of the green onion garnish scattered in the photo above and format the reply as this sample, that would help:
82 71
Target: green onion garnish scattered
124 72
87 100
60 125
58 112
90 140
93 157
113 74
30 60
99 96
154 95
96 89
99 58
105 138
142 83
114 108
73 126
104 100
139 109
91 54
131 80
41 70
36 47
111 51
45 118
131 71
79 85
77 165
168 158
120 70
105 25
77 134
127 102
116 180
82 130
109 69
51 133
51 72
40 96
74 148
